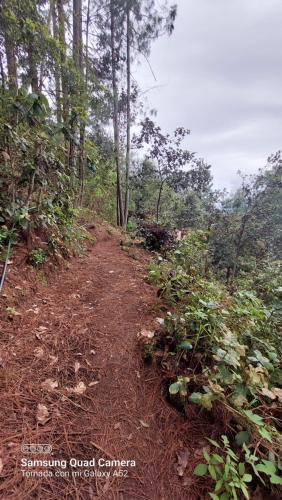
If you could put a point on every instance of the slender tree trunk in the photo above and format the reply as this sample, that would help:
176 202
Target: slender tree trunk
43 61
240 235
56 67
77 34
33 72
2 72
115 118
128 124
87 43
159 199
64 76
79 92
11 64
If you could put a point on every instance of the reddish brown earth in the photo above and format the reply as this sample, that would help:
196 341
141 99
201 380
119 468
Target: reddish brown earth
83 326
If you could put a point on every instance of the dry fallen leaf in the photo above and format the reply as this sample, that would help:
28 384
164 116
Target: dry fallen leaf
278 393
117 426
93 383
42 328
76 366
160 321
1 465
144 424
5 155
266 392
53 359
49 384
80 388
182 457
38 352
147 333
11 444
42 414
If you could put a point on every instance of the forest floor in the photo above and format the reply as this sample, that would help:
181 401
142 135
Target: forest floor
72 346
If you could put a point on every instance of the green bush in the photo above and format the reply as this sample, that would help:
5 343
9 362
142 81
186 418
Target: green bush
223 344
36 257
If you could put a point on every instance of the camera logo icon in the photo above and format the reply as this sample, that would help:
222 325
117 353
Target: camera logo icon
36 448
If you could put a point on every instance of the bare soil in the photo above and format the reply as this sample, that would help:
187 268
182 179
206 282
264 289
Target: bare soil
82 327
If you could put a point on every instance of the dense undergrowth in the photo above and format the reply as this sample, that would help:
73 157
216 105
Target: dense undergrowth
38 189
221 347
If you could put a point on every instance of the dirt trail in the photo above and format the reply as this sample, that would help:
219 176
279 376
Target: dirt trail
90 314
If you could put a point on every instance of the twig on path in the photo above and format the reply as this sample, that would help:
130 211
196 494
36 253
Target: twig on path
102 450
79 406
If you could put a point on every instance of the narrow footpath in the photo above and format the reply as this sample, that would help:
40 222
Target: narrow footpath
72 376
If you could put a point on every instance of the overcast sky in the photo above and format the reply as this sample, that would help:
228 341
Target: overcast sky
220 75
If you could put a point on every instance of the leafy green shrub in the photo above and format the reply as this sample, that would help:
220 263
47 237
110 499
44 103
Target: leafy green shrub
231 473
223 345
36 257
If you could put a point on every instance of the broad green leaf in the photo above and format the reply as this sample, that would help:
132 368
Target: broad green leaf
224 496
241 468
213 496
196 397
245 491
216 459
212 471
242 437
185 345
265 434
214 443
276 479
256 419
218 485
267 467
247 478
200 470
174 388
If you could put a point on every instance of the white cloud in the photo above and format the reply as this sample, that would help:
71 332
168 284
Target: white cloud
220 75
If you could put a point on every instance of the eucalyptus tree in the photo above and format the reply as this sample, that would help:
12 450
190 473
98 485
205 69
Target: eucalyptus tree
126 30
165 152
145 21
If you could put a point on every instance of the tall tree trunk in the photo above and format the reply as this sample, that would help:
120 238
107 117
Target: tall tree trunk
2 73
159 199
238 241
64 81
115 119
11 63
32 63
79 92
64 76
56 66
77 34
82 124
87 43
42 66
128 124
